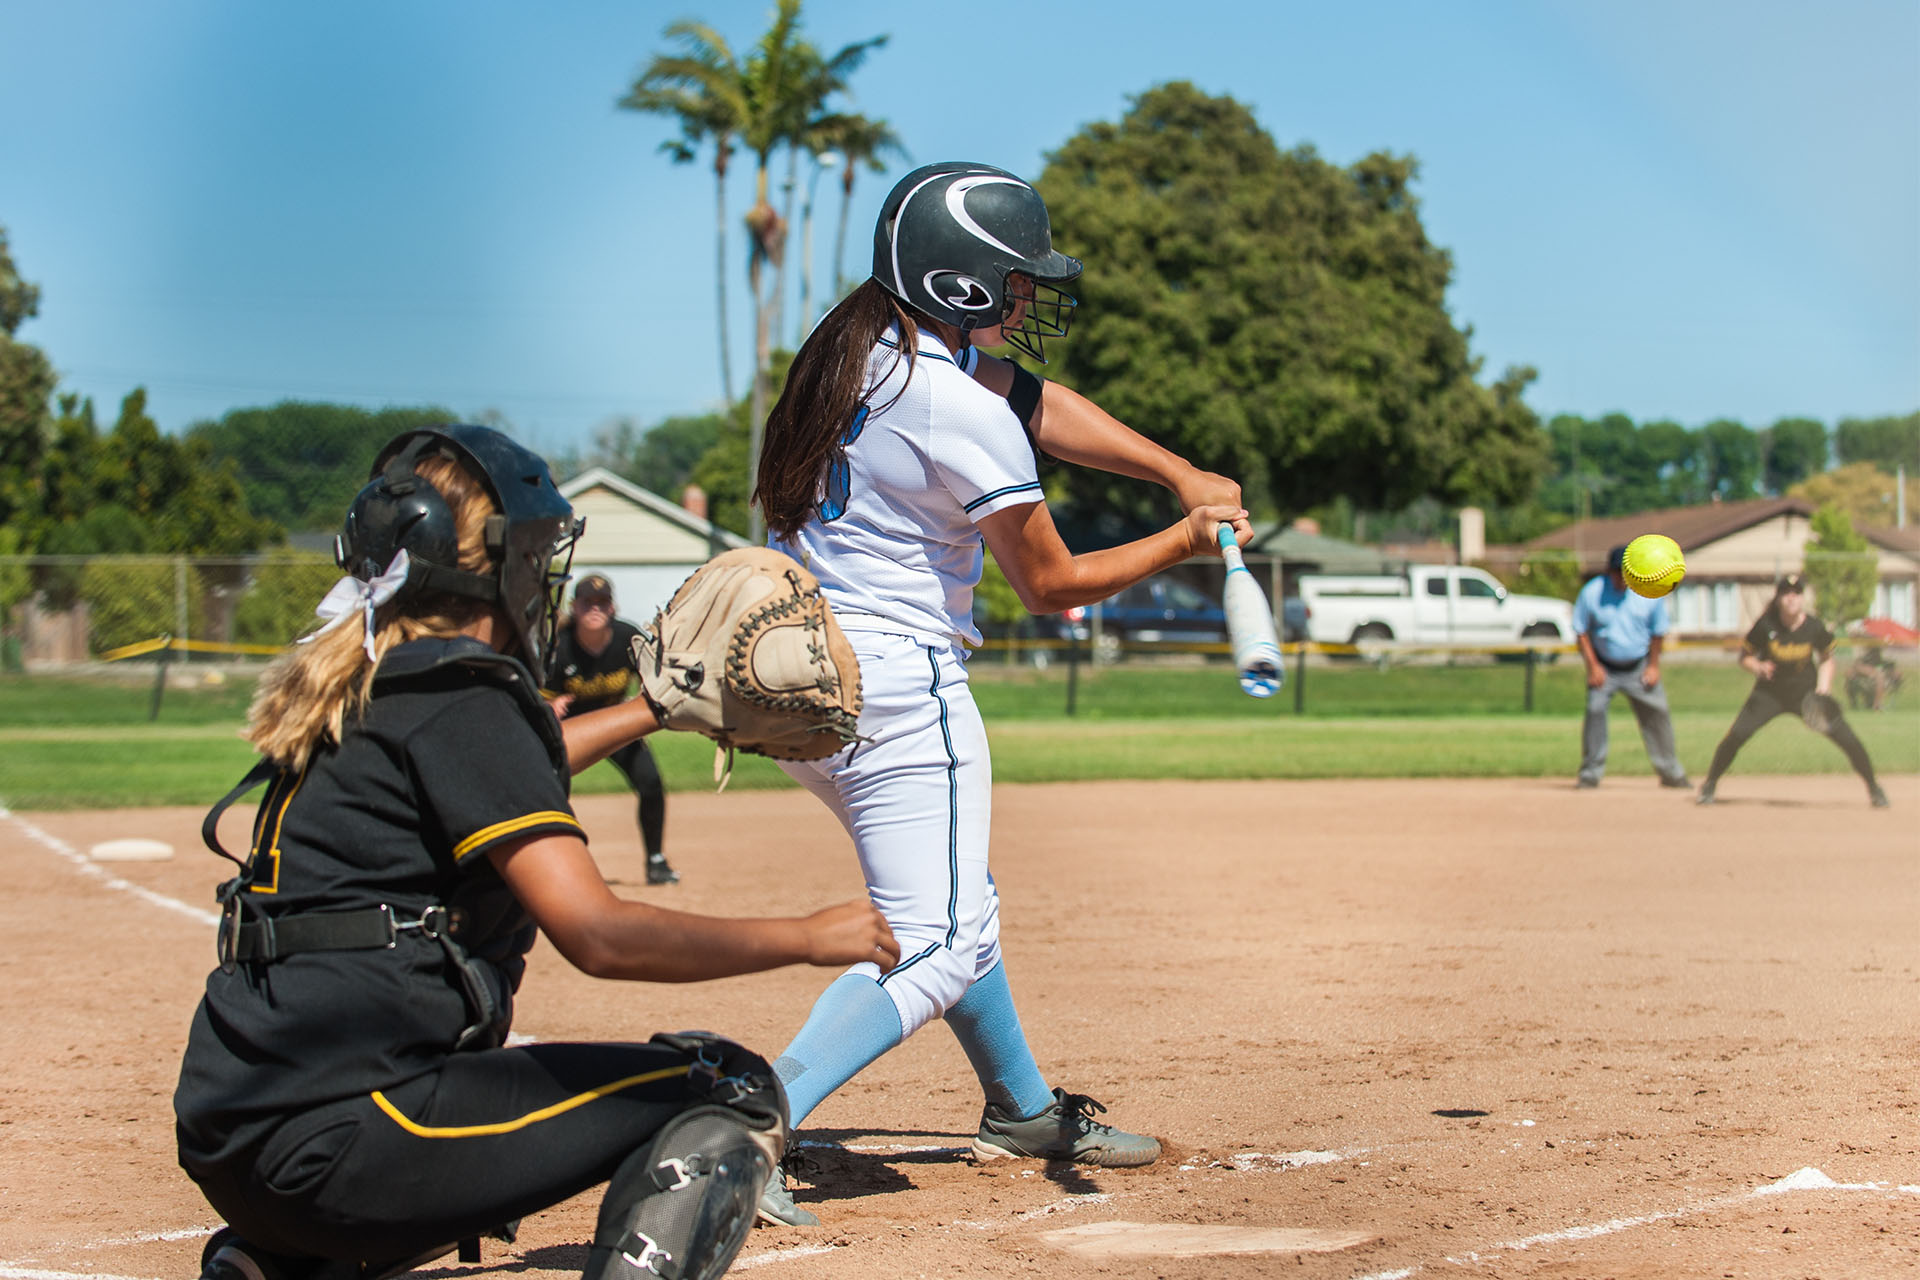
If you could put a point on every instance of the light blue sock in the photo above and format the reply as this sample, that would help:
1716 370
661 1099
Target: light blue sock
988 1028
852 1023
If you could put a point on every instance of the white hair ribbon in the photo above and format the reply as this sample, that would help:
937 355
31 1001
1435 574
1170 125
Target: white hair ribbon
356 595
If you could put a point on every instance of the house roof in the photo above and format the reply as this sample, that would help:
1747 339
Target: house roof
1689 526
600 477
1697 526
1332 554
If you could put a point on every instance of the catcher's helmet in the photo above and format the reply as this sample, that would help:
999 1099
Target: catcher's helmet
399 511
950 234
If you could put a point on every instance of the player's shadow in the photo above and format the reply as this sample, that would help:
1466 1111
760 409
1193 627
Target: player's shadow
553 1257
840 1173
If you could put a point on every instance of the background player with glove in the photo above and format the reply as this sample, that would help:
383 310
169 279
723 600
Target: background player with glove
885 468
1790 653
593 668
345 1101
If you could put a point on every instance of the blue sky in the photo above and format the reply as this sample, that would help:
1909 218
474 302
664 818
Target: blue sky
1673 208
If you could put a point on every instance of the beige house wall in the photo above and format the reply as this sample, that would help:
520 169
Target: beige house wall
618 532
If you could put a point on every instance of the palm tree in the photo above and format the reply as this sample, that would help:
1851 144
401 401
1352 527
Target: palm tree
817 80
787 83
860 141
703 87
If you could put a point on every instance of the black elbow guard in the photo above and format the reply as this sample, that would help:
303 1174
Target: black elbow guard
1024 397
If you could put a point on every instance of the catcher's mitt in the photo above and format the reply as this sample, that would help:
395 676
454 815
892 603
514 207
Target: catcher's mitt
1820 712
748 653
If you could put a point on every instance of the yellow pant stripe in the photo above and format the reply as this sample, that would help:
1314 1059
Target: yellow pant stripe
532 1117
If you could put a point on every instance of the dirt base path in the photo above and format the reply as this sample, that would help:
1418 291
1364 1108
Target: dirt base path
1385 1029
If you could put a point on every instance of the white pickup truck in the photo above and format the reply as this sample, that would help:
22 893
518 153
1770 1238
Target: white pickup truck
1433 604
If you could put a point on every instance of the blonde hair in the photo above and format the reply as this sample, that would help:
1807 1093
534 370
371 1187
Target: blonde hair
305 695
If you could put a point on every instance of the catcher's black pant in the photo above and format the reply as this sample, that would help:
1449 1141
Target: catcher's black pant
643 775
486 1140
1763 705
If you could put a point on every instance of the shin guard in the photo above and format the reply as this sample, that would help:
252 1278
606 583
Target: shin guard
681 1206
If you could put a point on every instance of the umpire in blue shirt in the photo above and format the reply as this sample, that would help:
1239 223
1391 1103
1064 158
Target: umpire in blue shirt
1620 635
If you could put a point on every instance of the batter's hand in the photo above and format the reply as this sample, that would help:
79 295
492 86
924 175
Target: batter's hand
850 933
1203 525
1197 488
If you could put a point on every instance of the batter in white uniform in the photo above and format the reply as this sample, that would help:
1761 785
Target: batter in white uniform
894 452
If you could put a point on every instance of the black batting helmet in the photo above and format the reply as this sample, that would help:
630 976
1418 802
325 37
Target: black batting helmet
535 526
950 234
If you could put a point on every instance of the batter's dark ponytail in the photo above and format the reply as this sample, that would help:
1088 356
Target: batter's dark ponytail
826 385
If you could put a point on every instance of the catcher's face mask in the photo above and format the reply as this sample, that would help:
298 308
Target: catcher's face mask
530 541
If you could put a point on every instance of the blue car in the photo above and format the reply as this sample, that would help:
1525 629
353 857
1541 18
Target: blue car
1163 610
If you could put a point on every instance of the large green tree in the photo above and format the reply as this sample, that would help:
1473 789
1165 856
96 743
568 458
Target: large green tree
299 462
136 489
1841 568
1795 448
1867 494
1273 316
1889 442
1732 456
27 381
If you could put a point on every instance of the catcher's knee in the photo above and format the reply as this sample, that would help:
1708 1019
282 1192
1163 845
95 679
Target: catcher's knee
681 1206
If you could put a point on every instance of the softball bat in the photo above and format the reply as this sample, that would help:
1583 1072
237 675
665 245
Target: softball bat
1256 649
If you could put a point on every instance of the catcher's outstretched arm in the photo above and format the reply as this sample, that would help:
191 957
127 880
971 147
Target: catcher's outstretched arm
599 933
594 736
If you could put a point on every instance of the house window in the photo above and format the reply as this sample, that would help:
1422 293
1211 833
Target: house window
1894 601
1706 606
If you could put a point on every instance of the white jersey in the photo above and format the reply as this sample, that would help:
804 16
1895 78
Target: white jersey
893 537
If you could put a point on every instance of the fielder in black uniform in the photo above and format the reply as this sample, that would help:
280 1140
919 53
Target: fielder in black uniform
1790 652
593 668
345 1102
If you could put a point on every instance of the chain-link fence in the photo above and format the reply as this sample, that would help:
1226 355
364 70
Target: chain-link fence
64 611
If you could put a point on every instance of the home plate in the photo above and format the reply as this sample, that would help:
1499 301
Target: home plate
1186 1240
133 849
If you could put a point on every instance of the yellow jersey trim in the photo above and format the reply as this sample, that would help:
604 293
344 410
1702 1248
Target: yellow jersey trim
487 835
532 1117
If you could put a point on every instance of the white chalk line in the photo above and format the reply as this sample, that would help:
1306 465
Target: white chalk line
1802 1180
86 866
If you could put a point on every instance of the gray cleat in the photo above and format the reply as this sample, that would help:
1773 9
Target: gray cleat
777 1208
1064 1131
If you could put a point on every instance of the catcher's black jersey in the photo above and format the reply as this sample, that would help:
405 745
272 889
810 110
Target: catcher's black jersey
1796 655
595 680
442 768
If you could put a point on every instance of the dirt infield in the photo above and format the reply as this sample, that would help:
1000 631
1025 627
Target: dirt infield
1385 1029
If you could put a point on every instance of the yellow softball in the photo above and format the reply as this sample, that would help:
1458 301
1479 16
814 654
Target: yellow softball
1653 565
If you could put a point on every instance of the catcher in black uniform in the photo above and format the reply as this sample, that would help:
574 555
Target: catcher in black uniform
346 1101
1790 653
593 667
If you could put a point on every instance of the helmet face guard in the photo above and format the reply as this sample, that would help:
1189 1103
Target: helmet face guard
950 239
1049 312
530 540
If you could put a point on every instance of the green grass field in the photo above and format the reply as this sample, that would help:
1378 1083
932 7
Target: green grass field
87 743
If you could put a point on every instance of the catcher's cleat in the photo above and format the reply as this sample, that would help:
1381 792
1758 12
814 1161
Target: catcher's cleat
659 871
1706 794
1878 798
1064 1131
777 1208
